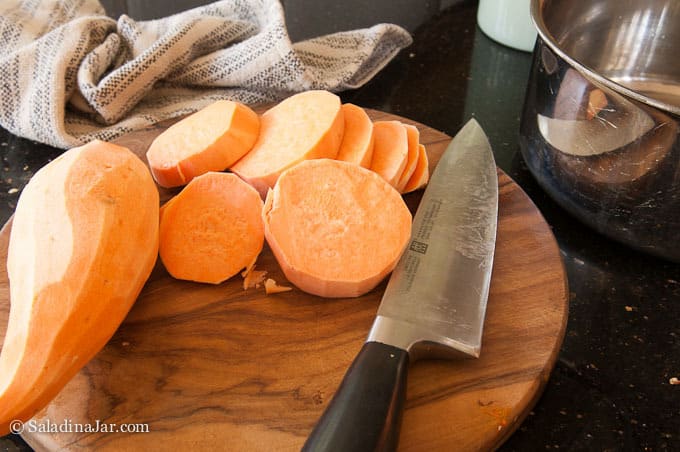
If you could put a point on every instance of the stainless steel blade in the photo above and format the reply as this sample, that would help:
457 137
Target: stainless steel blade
437 294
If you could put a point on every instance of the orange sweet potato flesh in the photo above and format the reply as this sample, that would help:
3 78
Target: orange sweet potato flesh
390 150
308 125
335 228
413 138
84 240
212 229
421 174
271 287
357 142
211 139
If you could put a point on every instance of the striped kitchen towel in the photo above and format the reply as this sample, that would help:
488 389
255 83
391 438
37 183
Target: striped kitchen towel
70 74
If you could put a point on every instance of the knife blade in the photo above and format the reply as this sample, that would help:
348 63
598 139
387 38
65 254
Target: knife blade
434 304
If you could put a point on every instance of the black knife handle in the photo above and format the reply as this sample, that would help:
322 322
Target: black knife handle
365 413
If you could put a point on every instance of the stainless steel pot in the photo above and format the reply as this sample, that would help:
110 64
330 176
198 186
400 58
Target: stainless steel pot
599 128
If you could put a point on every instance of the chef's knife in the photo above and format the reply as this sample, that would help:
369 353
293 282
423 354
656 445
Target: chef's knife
434 303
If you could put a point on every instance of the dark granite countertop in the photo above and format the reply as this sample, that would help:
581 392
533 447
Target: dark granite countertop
610 389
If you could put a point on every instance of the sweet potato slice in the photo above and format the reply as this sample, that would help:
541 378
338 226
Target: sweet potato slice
421 175
390 150
84 240
212 229
357 142
413 138
335 228
211 139
307 125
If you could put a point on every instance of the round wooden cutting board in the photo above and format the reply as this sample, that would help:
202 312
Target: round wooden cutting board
216 367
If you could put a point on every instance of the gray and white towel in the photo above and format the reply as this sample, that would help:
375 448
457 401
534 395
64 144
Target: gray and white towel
70 74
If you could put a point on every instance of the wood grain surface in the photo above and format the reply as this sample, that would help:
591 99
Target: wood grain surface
219 368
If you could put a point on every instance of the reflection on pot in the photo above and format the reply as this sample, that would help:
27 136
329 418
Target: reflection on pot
609 159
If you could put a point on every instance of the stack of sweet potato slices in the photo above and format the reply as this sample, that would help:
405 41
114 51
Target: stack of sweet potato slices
313 124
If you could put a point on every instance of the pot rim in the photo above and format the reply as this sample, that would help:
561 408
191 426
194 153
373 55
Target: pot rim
548 39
